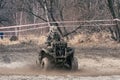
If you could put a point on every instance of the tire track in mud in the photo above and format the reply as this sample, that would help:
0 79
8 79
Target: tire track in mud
44 77
34 69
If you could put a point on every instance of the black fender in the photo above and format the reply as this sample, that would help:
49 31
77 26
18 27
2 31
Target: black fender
43 52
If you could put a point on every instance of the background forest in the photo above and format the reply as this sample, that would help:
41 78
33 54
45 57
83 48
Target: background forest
16 12
20 12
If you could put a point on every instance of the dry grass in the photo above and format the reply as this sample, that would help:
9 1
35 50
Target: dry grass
94 38
80 39
31 38
37 40
6 41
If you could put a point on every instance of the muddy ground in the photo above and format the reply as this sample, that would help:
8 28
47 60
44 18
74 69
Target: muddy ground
18 62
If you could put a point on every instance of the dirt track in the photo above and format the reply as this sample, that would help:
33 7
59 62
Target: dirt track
94 60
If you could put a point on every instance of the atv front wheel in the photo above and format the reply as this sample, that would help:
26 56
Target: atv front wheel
74 66
45 64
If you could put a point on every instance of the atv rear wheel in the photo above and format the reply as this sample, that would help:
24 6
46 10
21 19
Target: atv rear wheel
45 64
74 65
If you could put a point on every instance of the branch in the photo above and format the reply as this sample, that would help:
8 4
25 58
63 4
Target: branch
110 5
72 31
28 11
41 4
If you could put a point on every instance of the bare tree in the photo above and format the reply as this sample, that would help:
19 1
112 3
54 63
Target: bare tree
4 20
116 32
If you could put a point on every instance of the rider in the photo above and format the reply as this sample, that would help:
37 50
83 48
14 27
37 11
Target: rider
53 35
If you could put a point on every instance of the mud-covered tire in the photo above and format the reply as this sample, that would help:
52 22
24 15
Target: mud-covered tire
45 64
74 66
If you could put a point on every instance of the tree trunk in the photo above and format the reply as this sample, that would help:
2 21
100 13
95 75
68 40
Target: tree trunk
116 29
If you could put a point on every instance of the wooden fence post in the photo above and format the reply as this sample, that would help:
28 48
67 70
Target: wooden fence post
16 32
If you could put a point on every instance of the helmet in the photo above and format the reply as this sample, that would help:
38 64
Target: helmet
53 28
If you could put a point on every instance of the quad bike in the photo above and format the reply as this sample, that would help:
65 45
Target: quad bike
57 55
